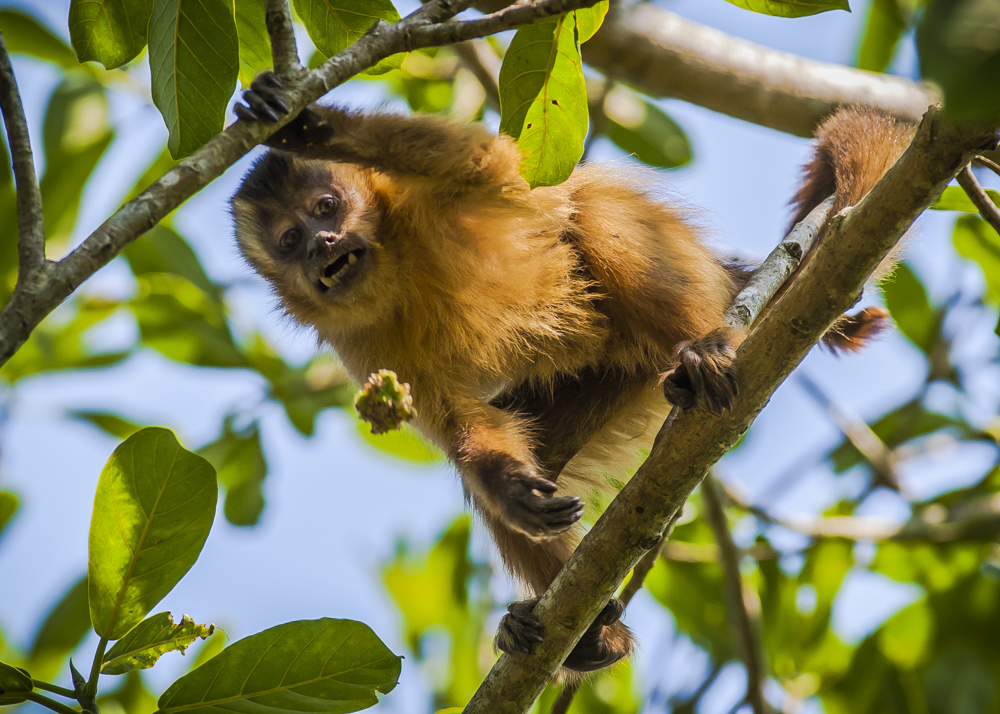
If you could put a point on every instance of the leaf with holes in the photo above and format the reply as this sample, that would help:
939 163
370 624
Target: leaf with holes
332 666
111 32
194 59
543 99
791 8
153 510
334 24
149 640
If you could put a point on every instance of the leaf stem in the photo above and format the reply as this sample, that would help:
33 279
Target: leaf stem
95 670
50 703
55 689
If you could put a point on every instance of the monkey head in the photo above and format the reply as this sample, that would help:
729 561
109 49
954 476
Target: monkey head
311 229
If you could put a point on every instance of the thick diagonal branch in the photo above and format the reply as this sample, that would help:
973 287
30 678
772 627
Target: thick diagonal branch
687 446
31 230
36 297
664 55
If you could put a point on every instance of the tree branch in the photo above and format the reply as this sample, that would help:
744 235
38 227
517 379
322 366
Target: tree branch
284 51
665 55
690 442
746 625
39 294
987 209
31 230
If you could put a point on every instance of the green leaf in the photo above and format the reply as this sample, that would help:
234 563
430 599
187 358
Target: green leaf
255 44
404 443
976 240
62 630
334 24
325 665
638 127
151 639
959 46
14 684
238 458
9 505
163 250
194 59
884 28
954 198
111 424
111 32
25 34
153 510
959 682
908 635
589 20
911 309
791 8
543 99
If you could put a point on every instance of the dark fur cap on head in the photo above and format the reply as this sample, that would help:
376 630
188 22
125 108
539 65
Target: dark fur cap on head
275 176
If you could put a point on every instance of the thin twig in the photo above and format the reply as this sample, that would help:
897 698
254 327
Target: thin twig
857 431
480 59
31 230
284 51
987 209
565 698
988 163
745 625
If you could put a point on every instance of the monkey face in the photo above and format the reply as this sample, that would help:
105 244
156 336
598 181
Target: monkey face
310 228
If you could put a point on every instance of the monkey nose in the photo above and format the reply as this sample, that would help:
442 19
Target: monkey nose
322 241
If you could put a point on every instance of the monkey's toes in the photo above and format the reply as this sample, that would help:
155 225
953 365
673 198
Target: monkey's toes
704 375
605 642
519 629
263 100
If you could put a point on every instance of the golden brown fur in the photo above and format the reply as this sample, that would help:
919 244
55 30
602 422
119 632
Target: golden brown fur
532 325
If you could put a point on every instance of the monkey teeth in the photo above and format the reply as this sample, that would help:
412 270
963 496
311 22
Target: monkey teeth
337 269
326 281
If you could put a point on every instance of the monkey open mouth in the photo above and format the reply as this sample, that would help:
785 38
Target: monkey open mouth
341 270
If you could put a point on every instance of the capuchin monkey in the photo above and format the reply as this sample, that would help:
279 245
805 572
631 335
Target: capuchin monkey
540 329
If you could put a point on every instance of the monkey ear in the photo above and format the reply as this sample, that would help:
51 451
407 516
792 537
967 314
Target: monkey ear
304 132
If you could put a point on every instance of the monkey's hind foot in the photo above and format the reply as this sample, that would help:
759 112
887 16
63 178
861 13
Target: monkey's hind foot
265 102
605 642
704 374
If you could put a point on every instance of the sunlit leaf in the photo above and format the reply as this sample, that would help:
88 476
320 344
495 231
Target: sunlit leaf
543 99
151 639
238 458
334 24
153 510
638 127
25 34
325 665
590 19
911 309
62 630
14 684
954 198
791 8
959 46
194 59
111 424
976 240
255 45
906 637
884 27
9 505
111 32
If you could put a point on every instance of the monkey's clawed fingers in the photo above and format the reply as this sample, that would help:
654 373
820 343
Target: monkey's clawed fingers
519 630
531 508
704 374
263 99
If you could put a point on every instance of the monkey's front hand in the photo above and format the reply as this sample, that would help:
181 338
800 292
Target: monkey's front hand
704 374
528 505
265 102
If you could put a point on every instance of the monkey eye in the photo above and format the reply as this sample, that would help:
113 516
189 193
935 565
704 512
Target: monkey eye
289 240
326 206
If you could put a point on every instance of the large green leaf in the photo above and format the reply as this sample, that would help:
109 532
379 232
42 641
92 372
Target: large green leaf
238 458
883 30
255 45
954 198
642 129
9 505
911 309
959 46
331 666
334 24
161 249
25 34
194 59
792 8
111 32
14 684
62 630
976 240
543 99
151 639
153 510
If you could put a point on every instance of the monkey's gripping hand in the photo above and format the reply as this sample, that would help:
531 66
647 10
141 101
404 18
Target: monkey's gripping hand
704 374
265 102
